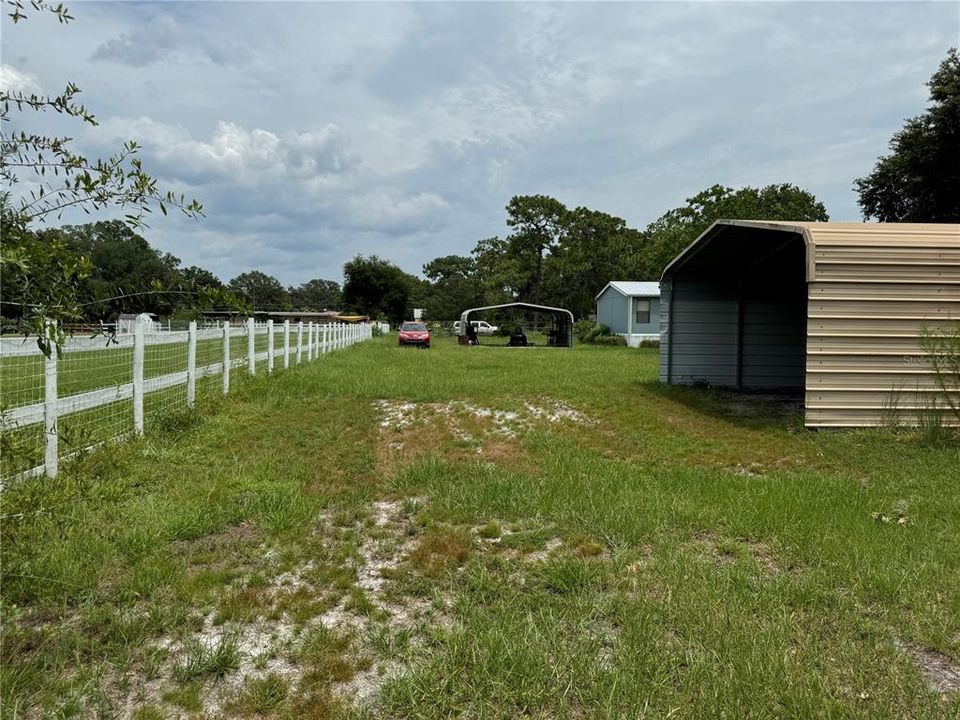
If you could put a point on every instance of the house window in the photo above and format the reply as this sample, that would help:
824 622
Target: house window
643 312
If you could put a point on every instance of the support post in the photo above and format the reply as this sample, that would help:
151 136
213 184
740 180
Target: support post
323 347
138 343
269 346
192 364
310 341
286 344
299 341
251 347
226 356
50 440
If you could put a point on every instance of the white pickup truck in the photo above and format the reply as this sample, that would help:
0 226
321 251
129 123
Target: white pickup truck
481 326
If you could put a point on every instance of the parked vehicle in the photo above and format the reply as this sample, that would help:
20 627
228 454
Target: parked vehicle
482 327
413 333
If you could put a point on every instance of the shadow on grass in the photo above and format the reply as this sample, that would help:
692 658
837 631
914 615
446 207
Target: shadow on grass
748 408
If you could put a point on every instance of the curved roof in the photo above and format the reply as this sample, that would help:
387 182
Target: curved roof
928 244
562 312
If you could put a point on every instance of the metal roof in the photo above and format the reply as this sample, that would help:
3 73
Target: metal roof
632 288
872 292
559 312
906 243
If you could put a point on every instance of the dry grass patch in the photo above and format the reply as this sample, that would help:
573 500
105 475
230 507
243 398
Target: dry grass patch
440 550
942 673
462 431
725 552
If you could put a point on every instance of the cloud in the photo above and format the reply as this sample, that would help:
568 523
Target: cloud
162 37
14 80
403 129
235 154
394 213
142 46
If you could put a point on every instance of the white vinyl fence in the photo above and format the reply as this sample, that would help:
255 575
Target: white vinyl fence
100 388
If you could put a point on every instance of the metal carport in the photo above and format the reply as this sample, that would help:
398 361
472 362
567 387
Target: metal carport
562 319
832 310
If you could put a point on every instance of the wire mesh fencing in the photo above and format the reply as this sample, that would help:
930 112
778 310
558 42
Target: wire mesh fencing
99 388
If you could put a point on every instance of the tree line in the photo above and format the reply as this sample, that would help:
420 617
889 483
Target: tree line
122 273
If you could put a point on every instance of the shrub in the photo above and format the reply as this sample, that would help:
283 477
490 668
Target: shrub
582 327
649 343
610 340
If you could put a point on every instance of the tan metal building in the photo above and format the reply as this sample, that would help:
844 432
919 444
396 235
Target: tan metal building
832 311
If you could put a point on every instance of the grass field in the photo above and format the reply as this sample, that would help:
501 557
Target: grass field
486 533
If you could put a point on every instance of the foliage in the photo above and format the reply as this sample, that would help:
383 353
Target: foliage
455 285
592 252
59 178
920 180
582 328
942 347
316 294
375 287
590 333
617 340
261 291
41 279
561 257
667 236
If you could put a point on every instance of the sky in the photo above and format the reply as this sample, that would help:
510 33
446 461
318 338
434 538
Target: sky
313 132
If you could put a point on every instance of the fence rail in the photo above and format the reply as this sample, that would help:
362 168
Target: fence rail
300 342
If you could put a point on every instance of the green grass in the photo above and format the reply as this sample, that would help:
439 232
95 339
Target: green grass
677 555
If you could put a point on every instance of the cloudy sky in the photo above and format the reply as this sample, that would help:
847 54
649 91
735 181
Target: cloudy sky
316 131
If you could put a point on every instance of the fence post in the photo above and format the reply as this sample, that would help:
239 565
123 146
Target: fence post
323 345
299 341
226 356
286 344
310 341
192 363
138 341
269 346
50 440
251 347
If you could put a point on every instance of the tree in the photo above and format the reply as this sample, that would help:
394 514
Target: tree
920 180
197 279
592 251
315 294
455 286
60 178
667 236
538 224
126 274
261 291
378 288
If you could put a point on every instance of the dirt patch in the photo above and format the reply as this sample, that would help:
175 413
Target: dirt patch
266 641
462 430
942 673
725 552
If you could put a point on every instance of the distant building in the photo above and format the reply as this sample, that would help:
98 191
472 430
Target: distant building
128 321
630 309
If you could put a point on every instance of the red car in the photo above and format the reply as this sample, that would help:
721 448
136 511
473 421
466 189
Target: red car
414 333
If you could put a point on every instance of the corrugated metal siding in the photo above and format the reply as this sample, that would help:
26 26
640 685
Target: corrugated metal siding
873 287
666 290
703 324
